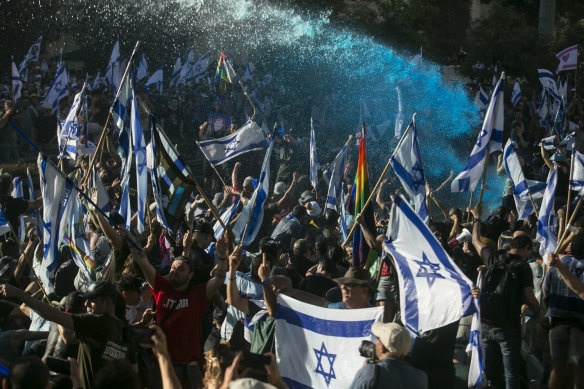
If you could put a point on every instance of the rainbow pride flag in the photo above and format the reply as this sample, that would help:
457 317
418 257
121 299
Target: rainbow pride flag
224 72
363 255
82 260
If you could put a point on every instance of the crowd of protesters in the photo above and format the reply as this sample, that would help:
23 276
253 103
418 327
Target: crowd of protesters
172 315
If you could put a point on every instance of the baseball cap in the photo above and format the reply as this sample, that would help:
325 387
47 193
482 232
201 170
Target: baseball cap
204 228
393 337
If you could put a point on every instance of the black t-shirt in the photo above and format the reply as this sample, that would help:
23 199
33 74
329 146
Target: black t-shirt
12 209
100 340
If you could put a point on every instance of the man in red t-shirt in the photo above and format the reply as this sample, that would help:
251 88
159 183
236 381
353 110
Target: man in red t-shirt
180 308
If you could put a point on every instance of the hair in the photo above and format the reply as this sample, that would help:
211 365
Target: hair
10 248
28 373
577 246
321 248
216 361
117 374
520 242
5 182
128 283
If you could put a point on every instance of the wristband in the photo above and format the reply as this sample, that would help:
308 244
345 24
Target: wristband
231 279
266 282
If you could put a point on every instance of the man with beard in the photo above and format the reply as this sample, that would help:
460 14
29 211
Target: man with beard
180 306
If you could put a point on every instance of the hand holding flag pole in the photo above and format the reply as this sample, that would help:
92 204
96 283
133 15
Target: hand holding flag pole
350 234
109 115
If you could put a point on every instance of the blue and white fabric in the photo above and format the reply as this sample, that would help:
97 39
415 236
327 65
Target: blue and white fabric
545 223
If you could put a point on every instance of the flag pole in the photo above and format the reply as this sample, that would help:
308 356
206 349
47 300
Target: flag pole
188 170
350 233
569 190
109 115
73 184
569 223
469 207
213 166
248 98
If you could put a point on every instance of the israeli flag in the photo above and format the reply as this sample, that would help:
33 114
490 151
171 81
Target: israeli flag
32 55
113 73
548 143
407 163
522 188
17 191
336 172
399 119
187 67
318 347
200 68
141 170
257 202
482 101
142 69
313 158
248 138
577 176
545 224
70 130
156 79
516 93
57 90
476 372
249 70
16 82
343 220
489 140
226 218
433 290
547 80
56 193
96 82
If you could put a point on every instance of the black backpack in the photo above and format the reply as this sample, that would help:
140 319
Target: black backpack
502 292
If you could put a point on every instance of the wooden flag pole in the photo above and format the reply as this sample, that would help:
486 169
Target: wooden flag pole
350 234
109 115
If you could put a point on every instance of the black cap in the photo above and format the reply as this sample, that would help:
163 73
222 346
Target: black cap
101 289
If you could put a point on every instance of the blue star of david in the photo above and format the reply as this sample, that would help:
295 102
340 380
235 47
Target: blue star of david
483 134
331 360
417 176
231 146
428 270
58 86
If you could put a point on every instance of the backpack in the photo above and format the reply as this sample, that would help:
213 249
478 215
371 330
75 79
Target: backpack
501 292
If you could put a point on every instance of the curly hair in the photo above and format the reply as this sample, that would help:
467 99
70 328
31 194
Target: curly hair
216 361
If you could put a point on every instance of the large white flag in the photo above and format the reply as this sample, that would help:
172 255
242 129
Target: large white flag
200 68
545 226
319 347
32 55
156 79
113 73
489 140
407 164
476 371
139 146
547 81
56 192
187 67
577 178
433 290
252 214
16 82
57 90
248 138
313 158
336 172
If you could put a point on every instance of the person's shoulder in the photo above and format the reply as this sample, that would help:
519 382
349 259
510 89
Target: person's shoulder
338 305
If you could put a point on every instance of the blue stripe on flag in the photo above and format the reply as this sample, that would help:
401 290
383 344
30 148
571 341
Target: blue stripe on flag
346 329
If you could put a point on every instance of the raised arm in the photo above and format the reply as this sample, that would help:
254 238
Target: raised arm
269 295
233 297
47 311
222 247
142 261
476 228
572 281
